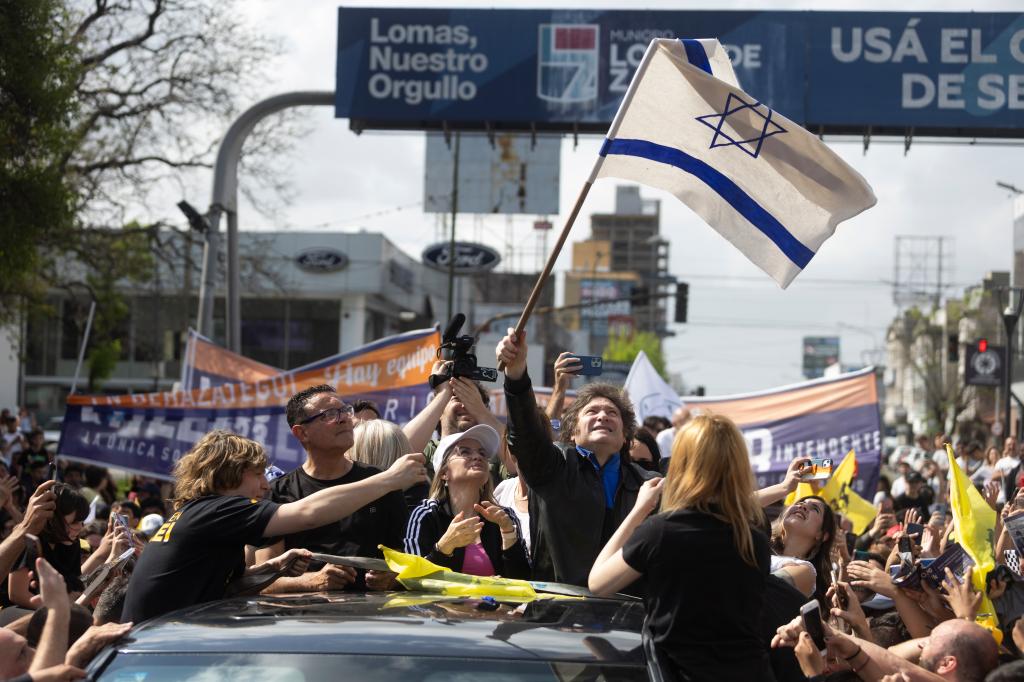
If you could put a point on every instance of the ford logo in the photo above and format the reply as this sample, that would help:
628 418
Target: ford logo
321 260
469 257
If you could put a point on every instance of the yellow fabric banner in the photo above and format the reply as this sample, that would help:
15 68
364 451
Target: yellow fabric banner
803 489
975 524
416 573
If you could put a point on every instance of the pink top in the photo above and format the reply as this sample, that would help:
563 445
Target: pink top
476 561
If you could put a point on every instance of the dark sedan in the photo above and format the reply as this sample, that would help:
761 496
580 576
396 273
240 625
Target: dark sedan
383 636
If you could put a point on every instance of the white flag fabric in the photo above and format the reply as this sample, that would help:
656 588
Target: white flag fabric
650 395
771 188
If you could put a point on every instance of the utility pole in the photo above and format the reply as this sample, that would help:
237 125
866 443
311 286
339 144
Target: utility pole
451 242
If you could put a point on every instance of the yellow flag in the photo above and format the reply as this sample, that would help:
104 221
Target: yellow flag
975 524
843 499
416 573
803 489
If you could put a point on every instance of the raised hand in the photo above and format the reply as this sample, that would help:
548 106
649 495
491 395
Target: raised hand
962 597
461 531
648 497
53 591
793 473
40 508
811 662
511 353
912 515
992 489
407 471
875 579
8 486
567 366
495 514
845 605
466 392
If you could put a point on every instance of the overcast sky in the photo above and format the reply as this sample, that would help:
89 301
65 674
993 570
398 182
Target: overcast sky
745 333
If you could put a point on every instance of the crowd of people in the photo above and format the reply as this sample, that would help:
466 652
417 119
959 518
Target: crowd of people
737 584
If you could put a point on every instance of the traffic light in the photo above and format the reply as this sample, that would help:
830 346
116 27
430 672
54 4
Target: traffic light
700 391
982 345
953 348
641 295
682 300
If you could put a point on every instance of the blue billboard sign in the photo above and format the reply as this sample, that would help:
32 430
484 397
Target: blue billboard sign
946 73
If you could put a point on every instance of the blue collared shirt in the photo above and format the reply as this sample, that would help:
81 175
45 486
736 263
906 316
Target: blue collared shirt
609 473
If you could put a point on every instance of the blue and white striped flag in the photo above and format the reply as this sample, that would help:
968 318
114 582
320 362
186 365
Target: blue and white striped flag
771 188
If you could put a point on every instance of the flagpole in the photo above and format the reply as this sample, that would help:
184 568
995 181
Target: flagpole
538 286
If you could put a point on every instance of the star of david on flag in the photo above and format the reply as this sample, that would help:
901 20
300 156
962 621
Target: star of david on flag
734 104
767 185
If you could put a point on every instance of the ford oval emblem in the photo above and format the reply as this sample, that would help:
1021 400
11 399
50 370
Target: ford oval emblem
321 260
469 257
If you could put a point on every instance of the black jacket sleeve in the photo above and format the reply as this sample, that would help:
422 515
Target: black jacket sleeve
539 460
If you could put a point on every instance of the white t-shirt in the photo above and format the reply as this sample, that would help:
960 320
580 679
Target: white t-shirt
664 440
1007 464
941 458
505 495
779 562
8 438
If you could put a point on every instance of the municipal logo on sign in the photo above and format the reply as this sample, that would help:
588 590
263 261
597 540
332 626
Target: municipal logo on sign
567 61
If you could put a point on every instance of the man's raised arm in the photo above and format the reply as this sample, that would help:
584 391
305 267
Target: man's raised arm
538 459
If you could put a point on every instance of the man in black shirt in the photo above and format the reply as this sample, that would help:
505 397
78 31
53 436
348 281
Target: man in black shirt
219 495
323 423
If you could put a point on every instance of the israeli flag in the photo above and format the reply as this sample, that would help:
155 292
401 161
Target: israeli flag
771 188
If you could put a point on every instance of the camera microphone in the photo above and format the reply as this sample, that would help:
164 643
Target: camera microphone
454 325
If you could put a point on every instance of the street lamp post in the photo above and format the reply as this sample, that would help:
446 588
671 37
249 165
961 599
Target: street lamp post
1014 303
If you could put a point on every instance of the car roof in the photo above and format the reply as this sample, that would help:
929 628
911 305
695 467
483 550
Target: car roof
401 623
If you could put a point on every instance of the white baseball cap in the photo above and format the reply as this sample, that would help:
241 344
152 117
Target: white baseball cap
150 524
486 435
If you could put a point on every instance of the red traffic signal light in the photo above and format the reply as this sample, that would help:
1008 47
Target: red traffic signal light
982 345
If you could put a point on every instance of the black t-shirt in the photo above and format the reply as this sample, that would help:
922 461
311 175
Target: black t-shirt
381 522
195 554
703 600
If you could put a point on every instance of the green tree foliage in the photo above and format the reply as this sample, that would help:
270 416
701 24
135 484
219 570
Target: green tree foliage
625 347
38 74
107 107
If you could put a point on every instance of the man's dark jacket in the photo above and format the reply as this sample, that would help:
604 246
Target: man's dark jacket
569 522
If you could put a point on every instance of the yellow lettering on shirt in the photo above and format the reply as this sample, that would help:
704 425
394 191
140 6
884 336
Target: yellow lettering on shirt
164 533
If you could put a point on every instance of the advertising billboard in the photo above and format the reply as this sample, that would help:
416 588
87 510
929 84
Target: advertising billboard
922 73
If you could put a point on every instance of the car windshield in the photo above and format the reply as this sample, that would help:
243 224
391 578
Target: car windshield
303 667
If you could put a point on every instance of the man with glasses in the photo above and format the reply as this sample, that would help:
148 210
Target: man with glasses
323 424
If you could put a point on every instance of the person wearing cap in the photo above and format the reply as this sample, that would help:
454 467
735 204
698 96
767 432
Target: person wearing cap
918 495
323 423
581 489
459 525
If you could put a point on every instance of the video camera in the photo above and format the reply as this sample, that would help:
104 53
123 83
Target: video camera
455 350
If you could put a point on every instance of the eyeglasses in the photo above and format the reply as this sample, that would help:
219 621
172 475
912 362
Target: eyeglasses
331 415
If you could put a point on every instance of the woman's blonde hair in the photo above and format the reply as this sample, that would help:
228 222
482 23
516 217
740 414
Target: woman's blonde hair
710 472
379 443
439 487
216 462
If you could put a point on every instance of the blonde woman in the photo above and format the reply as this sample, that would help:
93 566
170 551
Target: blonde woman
460 526
379 443
220 507
705 566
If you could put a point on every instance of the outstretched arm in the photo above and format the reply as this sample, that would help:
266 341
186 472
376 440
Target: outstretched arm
419 429
774 493
337 502
567 366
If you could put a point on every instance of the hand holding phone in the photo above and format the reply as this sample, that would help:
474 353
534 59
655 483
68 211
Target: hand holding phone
820 469
810 613
591 365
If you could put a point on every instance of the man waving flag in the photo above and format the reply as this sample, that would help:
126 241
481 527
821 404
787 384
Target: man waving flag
763 182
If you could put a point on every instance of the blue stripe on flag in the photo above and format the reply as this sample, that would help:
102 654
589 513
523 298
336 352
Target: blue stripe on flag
744 204
696 54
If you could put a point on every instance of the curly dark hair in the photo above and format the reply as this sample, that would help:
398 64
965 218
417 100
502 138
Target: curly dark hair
584 397
296 409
